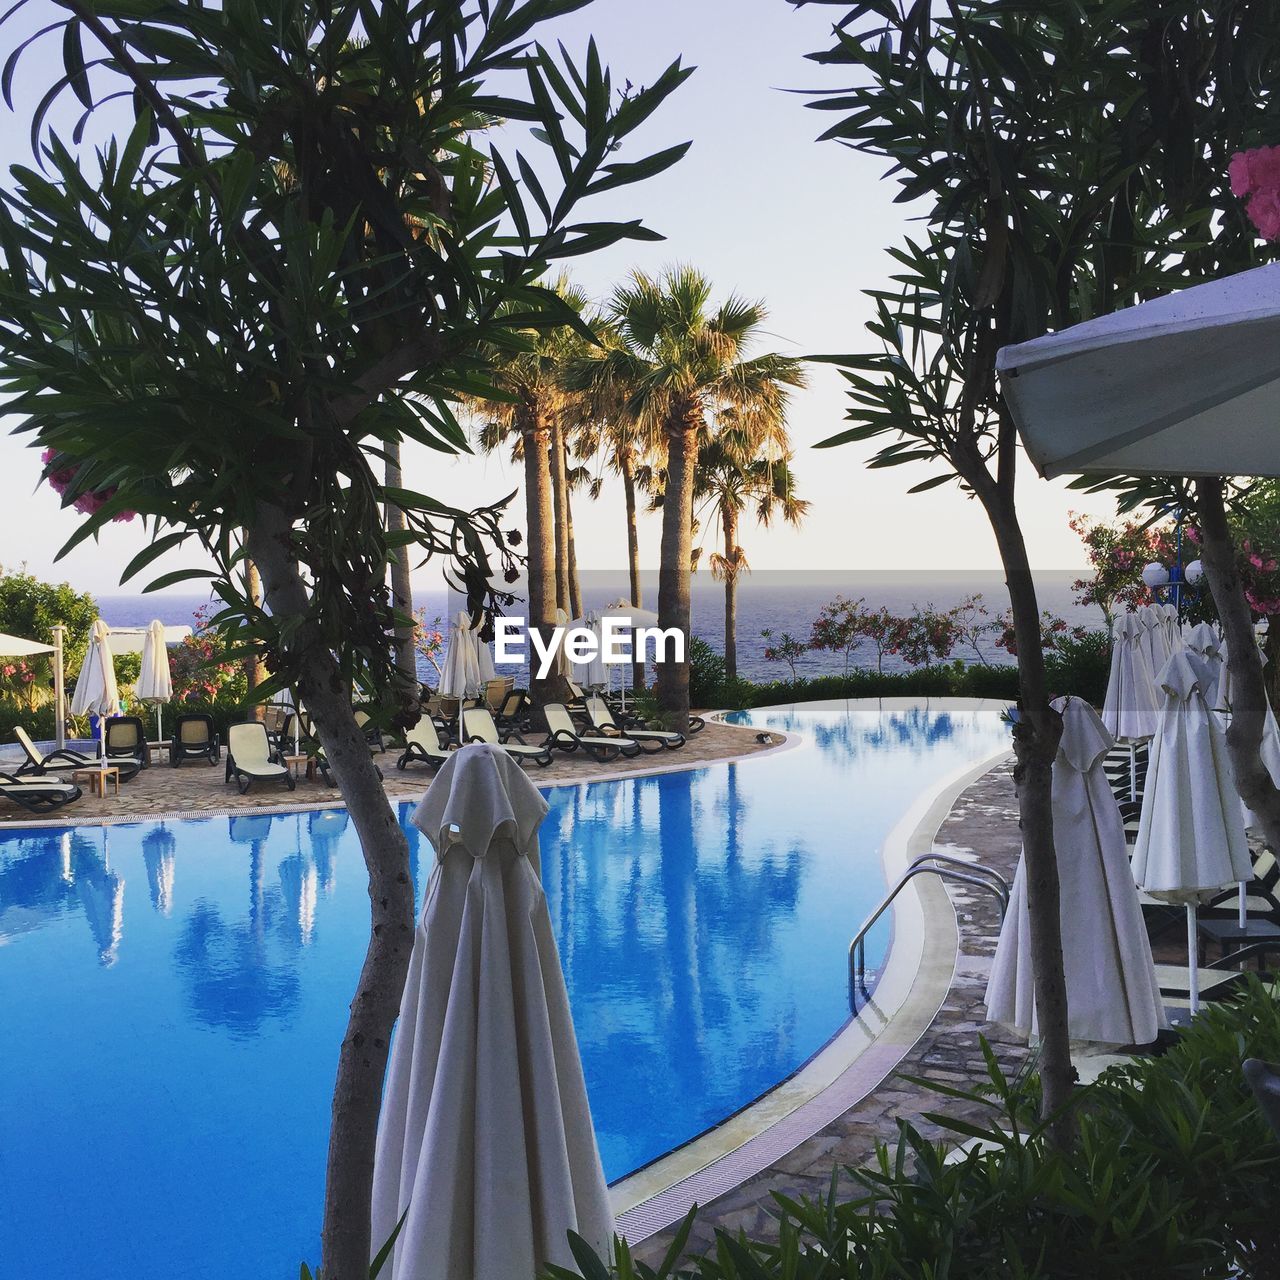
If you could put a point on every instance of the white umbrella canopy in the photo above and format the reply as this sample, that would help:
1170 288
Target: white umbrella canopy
16 647
95 691
485 1142
1152 389
1171 626
1131 710
460 671
1113 995
155 681
1191 838
1203 639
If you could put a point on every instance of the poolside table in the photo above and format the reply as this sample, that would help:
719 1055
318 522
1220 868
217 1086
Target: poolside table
97 778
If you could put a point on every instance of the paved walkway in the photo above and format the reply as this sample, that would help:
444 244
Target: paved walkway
983 822
197 787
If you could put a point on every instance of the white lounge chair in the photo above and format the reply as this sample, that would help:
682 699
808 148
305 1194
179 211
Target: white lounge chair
650 739
564 734
478 726
38 794
423 744
250 758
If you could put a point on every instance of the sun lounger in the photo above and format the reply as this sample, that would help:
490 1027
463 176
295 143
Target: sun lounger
423 745
564 734
602 720
478 726
372 734
194 737
126 739
38 794
513 714
37 764
250 758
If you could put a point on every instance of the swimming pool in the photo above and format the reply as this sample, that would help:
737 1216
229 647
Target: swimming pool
172 994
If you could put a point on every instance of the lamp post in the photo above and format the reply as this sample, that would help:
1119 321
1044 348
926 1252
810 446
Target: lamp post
1171 583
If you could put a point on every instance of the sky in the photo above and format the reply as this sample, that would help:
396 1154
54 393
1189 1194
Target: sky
759 207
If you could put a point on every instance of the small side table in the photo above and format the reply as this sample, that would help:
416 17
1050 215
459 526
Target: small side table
97 778
297 762
165 745
1231 938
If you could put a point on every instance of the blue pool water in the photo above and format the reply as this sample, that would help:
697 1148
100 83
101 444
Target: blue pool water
172 994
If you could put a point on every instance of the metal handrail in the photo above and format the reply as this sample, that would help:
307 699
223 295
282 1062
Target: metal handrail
976 877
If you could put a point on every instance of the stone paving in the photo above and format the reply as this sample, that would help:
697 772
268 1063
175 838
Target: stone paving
198 787
982 822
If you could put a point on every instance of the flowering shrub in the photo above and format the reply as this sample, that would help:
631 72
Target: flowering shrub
924 635
1255 179
1118 553
61 471
1054 631
428 638
202 674
786 649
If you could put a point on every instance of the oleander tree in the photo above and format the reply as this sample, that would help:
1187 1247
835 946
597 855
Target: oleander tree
1005 125
294 257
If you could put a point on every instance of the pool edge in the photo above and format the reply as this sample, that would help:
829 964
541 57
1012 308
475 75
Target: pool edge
917 976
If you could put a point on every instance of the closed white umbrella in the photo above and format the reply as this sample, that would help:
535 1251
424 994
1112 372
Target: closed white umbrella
1173 386
460 672
1131 710
1203 639
593 674
485 669
485 1142
1171 627
1191 841
1113 995
95 692
631 616
1153 638
155 681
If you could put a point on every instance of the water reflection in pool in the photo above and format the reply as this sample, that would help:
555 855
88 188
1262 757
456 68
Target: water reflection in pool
173 993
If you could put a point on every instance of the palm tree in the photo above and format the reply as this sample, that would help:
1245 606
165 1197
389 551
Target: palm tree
729 480
531 415
683 364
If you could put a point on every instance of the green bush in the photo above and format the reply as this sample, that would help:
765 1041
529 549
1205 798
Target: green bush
1174 1175
1080 666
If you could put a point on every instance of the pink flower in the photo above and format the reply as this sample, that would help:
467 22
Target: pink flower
1255 178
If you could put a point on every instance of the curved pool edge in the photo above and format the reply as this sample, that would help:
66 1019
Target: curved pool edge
913 985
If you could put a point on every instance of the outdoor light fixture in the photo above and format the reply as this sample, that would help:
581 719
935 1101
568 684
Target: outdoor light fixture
1176 582
1194 573
1155 575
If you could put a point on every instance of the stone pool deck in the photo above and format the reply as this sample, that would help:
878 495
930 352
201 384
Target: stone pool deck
982 823
198 788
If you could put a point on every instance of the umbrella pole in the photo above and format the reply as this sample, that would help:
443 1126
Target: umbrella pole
59 690
1133 771
1193 969
1244 906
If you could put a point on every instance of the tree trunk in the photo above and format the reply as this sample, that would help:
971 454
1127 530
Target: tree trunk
628 468
560 506
541 568
362 1060
674 573
255 670
729 523
1035 741
1248 686
401 586
575 586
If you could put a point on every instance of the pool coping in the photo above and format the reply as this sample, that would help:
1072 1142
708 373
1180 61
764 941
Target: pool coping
917 975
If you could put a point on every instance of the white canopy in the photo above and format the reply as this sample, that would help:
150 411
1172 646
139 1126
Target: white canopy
15 647
1153 638
1191 841
155 682
485 1142
95 691
1204 640
1113 996
1147 389
1132 707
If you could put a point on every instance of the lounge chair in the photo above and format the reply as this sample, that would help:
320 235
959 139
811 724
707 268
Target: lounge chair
38 794
1262 894
372 734
423 745
564 734
602 721
495 692
37 764
194 737
251 759
513 714
126 739
478 726
274 719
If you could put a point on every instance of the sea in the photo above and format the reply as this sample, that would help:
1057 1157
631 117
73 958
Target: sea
780 602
